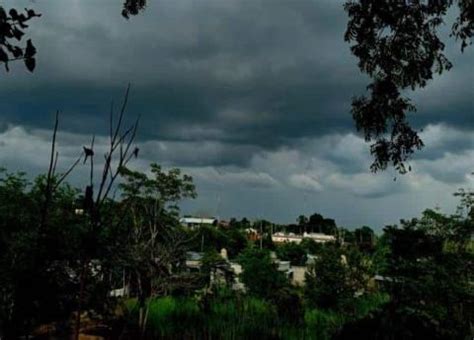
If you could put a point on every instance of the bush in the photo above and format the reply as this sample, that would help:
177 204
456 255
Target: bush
322 324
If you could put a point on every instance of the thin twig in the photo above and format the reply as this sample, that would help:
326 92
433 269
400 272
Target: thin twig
64 175
48 191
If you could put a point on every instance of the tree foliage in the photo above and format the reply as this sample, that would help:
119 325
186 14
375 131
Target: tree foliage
428 271
260 275
155 252
36 284
133 7
397 44
12 29
293 252
326 280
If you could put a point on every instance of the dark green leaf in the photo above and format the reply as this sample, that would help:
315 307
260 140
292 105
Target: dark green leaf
17 33
30 49
30 64
3 56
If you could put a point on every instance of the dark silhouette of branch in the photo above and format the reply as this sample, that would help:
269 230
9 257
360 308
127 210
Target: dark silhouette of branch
48 191
67 172
108 178
398 46
12 26
132 7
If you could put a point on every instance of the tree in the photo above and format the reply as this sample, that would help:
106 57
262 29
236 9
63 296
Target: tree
347 235
428 271
326 283
329 226
12 26
336 275
310 246
441 292
36 285
210 262
317 223
260 275
236 241
132 7
295 253
302 220
398 46
156 247
208 238
364 238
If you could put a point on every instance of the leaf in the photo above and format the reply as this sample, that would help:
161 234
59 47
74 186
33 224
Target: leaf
30 64
13 14
3 14
17 52
17 33
3 56
31 13
30 50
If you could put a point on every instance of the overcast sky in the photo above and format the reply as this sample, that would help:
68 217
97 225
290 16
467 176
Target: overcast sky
250 97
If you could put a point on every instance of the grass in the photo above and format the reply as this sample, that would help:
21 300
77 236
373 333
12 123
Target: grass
227 316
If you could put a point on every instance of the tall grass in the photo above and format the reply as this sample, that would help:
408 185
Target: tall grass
230 316
321 324
241 317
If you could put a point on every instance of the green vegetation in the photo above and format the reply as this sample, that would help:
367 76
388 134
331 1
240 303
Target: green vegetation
70 255
229 315
292 252
412 281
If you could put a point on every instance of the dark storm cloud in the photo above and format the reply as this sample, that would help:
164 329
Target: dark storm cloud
251 70
252 98
261 73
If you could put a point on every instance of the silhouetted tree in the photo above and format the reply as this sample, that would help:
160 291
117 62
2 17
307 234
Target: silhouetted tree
295 253
260 275
132 7
326 284
398 46
364 237
12 27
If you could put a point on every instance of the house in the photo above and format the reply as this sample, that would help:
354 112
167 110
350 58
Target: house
223 224
297 238
193 260
298 275
195 222
225 273
252 234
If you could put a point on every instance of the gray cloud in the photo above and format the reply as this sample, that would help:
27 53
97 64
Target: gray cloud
250 97
278 184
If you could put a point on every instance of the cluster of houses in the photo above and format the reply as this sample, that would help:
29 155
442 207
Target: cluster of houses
290 237
253 234
227 272
230 270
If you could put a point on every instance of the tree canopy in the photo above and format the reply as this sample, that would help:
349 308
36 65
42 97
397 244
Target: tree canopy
398 46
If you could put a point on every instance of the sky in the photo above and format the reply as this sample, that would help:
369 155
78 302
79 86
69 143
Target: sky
250 97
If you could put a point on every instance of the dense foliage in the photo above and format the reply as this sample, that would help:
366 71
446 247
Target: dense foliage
413 281
398 45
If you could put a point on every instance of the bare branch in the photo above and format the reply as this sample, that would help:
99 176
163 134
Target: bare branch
68 171
48 188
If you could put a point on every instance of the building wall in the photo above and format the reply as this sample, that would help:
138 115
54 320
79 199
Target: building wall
298 275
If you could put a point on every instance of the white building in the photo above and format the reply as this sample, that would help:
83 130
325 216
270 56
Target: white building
320 238
194 222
